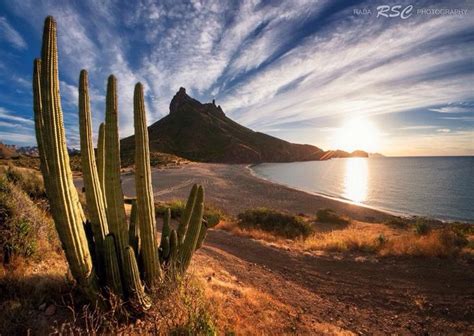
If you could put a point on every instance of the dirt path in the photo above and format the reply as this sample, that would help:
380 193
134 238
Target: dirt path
327 294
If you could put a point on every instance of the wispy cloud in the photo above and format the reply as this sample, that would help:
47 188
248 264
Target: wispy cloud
292 68
9 33
6 115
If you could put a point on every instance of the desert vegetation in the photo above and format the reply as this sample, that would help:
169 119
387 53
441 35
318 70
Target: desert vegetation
328 231
107 255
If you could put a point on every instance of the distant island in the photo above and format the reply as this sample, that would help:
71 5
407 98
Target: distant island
202 132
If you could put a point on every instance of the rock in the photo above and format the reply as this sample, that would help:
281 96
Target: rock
51 310
42 306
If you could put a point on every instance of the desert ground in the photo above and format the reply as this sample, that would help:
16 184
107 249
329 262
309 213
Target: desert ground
282 290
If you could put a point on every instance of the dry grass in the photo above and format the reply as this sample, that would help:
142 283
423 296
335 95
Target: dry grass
375 238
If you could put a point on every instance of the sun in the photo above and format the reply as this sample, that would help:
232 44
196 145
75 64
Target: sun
357 134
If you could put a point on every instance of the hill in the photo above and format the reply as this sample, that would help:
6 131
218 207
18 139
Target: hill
202 132
7 152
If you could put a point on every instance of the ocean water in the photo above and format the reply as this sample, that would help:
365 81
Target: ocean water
437 187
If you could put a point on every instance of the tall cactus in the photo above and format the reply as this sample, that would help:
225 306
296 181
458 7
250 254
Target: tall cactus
65 207
101 157
94 198
144 190
115 207
116 244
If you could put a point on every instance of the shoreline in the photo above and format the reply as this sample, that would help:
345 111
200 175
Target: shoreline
402 214
234 189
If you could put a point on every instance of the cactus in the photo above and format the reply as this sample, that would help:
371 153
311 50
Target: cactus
144 190
188 247
165 236
183 225
65 207
113 278
106 233
95 200
101 157
134 229
137 289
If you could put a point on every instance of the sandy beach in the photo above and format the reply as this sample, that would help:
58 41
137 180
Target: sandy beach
233 188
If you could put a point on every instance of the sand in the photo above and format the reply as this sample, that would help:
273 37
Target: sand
233 189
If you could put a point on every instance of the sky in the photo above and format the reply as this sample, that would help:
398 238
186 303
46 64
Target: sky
304 71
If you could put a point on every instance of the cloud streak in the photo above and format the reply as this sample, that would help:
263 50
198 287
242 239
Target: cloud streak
290 68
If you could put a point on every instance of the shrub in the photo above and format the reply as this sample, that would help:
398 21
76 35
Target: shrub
435 243
212 215
329 216
276 222
30 181
23 225
421 227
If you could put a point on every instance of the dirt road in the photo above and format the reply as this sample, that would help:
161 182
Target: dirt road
360 295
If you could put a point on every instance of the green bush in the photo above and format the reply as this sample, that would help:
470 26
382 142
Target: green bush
421 227
278 223
329 216
212 215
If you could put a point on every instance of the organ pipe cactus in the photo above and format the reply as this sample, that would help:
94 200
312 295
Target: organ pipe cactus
116 243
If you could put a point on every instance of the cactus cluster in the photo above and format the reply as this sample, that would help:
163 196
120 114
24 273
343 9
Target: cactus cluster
106 252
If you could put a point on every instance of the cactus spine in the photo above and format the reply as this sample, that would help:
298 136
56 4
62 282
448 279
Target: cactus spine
66 210
145 202
106 232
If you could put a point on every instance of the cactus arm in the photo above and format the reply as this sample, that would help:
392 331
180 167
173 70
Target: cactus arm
186 216
65 207
188 247
112 270
134 230
101 158
113 188
94 198
137 290
202 234
172 259
144 190
165 236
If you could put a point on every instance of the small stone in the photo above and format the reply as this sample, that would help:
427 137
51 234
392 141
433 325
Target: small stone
42 306
51 310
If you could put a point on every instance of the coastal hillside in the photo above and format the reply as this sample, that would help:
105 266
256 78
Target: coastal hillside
202 132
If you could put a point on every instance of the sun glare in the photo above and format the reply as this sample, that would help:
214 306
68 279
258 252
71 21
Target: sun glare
357 134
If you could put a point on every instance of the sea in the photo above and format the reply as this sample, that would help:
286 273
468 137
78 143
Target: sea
435 187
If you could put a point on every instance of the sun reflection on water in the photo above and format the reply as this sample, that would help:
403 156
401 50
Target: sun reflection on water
355 179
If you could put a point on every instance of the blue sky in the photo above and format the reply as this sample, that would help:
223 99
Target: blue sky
298 69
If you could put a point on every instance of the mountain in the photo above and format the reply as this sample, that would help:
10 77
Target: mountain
7 151
202 132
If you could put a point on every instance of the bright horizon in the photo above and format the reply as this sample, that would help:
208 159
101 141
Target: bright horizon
320 73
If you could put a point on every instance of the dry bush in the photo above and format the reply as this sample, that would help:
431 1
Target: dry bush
179 309
25 228
436 243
